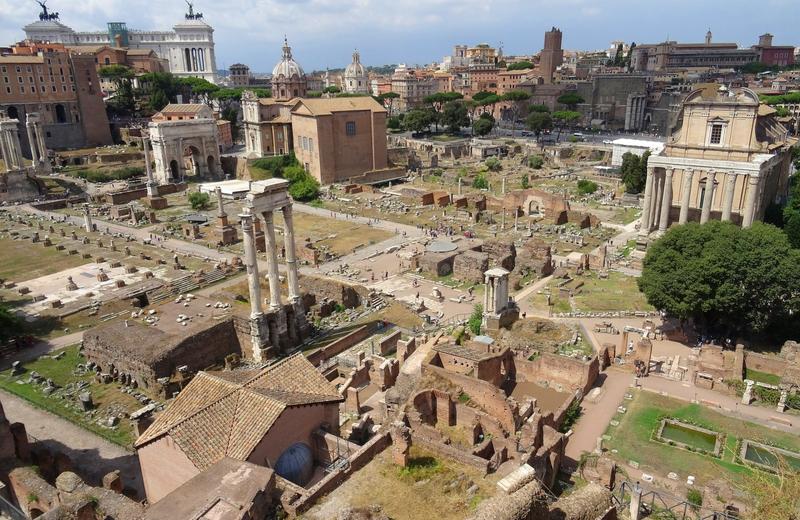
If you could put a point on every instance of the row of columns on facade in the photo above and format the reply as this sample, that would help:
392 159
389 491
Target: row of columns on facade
658 198
11 149
251 260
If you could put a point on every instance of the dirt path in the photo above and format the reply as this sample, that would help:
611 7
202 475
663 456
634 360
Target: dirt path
91 455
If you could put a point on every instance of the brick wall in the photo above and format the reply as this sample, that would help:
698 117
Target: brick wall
574 373
340 345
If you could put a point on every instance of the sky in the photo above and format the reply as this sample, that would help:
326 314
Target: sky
323 33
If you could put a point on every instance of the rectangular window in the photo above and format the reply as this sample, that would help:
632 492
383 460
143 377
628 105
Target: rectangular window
350 128
310 144
716 134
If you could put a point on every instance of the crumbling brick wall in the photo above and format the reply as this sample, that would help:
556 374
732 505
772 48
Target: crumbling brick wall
501 253
469 266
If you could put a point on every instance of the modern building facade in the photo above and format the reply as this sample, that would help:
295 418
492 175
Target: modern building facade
62 88
188 48
728 159
411 88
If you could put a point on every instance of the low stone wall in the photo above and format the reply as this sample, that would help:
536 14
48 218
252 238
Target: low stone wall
304 499
567 371
340 345
447 451
123 197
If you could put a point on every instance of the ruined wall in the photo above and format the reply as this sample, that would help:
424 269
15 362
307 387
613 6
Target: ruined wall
349 295
470 266
340 345
570 372
18 187
501 253
126 196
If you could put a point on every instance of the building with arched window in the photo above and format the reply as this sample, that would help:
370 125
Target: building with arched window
356 80
288 79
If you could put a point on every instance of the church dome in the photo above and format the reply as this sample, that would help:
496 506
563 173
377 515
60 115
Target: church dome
287 67
355 69
296 464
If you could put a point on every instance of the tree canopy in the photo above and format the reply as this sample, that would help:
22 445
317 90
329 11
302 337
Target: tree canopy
537 122
520 65
570 100
728 279
483 126
454 115
417 120
634 171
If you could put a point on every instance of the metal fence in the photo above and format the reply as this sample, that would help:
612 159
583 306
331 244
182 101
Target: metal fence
658 504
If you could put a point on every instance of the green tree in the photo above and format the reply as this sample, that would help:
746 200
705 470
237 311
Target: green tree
123 100
387 100
517 100
333 89
393 123
570 100
538 108
199 89
586 187
483 126
304 189
232 115
520 65
634 171
198 200
486 99
629 56
437 102
158 100
525 183
454 116
10 324
476 319
536 162
726 278
480 182
417 120
538 122
564 118
493 164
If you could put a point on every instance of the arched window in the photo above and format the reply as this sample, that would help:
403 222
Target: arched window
61 114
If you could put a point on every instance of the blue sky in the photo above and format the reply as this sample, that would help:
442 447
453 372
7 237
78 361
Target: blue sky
325 32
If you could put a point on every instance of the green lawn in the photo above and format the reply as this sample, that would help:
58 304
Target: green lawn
632 438
61 372
23 260
625 216
762 377
618 292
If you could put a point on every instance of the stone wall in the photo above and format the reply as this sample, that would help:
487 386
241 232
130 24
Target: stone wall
126 196
555 369
501 253
340 345
349 295
19 187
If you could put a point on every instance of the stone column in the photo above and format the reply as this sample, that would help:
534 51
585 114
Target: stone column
272 263
730 187
4 149
291 262
152 186
251 262
220 204
686 196
658 198
13 145
666 203
33 143
37 127
87 219
750 201
459 185
708 198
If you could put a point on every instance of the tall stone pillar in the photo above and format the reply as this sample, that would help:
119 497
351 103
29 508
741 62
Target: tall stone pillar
647 204
37 127
14 158
686 196
221 205
5 150
708 198
666 203
87 219
658 198
251 262
272 263
152 186
750 201
727 205
291 262
32 142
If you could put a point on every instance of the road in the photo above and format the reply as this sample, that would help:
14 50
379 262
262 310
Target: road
92 456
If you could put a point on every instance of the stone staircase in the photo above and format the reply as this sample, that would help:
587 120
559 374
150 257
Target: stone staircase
376 302
184 285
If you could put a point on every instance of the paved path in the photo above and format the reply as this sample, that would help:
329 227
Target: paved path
92 456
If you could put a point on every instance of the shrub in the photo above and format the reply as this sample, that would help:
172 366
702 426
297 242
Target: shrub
586 187
536 162
304 189
476 319
571 416
525 183
480 182
198 200
276 164
493 164
113 175
694 497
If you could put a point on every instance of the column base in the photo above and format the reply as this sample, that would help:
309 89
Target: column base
642 241
261 349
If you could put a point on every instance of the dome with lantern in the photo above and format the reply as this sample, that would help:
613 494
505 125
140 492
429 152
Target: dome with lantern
288 78
355 76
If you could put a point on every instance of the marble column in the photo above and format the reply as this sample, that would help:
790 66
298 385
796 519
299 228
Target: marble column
220 204
686 195
152 186
708 198
291 261
37 128
655 211
750 201
13 144
730 187
251 262
32 142
4 149
87 219
647 204
666 202
272 262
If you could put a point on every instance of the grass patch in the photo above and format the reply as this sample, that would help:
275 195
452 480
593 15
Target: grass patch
61 372
633 438
618 292
762 377
23 260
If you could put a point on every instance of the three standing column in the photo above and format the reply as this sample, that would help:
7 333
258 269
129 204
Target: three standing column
251 262
32 141
727 205
644 222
